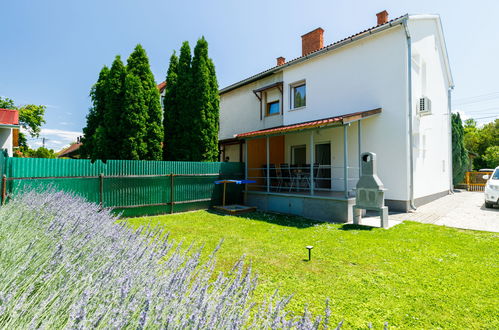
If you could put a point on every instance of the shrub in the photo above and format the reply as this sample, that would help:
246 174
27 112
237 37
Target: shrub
67 264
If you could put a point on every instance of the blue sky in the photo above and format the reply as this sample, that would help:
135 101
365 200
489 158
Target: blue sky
52 51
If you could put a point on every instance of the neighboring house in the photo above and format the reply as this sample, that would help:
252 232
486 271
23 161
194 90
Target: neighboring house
161 87
73 151
9 130
385 90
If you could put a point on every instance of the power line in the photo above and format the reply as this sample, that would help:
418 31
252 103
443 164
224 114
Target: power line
486 117
478 98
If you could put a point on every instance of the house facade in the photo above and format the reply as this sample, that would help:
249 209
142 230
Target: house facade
9 130
301 126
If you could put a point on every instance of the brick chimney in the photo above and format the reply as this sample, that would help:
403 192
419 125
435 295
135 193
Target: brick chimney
280 61
382 17
312 41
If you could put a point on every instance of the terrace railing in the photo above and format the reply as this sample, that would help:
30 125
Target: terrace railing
305 179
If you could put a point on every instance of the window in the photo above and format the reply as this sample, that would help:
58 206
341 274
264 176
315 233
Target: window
298 96
273 108
299 155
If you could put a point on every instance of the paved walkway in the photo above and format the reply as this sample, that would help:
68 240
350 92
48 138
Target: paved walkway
463 209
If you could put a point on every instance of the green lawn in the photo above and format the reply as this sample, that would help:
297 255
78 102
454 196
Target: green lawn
412 275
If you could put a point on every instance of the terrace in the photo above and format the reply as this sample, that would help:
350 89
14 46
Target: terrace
309 169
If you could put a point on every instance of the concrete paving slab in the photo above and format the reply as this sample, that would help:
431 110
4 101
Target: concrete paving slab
463 209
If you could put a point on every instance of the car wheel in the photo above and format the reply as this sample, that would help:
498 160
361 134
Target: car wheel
489 205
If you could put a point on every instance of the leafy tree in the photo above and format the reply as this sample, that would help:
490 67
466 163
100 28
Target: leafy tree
145 102
111 139
169 107
459 152
90 149
43 153
31 119
204 105
479 139
491 157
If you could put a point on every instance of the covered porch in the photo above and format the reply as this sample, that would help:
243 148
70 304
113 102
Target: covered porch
309 169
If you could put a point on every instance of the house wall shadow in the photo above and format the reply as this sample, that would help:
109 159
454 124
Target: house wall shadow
275 218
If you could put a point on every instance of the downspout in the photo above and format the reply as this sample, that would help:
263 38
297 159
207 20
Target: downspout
409 101
449 105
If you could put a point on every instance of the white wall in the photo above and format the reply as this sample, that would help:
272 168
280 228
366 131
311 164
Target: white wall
6 140
240 109
365 75
431 132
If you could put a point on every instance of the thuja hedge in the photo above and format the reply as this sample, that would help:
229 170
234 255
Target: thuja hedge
67 264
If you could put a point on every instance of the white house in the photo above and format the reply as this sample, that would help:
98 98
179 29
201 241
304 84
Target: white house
9 130
384 90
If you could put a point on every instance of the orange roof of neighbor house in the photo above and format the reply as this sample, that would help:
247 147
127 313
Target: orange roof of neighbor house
331 121
9 117
161 86
69 150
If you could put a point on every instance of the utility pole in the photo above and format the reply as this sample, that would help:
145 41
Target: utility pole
43 141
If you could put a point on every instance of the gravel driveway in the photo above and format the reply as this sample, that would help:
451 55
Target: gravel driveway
463 209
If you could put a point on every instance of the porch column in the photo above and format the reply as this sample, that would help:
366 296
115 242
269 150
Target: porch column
312 161
246 161
267 140
345 159
359 138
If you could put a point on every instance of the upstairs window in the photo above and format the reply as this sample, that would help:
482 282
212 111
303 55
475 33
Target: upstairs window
273 108
298 95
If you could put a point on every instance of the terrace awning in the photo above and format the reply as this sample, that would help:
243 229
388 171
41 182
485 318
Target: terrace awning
331 121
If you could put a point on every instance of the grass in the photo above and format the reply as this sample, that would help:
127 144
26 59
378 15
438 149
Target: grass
412 275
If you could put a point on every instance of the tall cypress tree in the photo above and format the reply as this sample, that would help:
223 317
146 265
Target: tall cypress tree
169 107
142 110
134 120
182 115
205 105
213 150
459 152
92 133
111 125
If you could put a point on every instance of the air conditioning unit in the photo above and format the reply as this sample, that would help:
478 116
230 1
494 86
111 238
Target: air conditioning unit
424 106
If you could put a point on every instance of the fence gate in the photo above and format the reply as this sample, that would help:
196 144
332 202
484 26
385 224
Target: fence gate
475 182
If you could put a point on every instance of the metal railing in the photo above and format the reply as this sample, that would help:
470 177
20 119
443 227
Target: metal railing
302 178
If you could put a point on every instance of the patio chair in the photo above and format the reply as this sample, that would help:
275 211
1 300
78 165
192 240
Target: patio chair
286 175
264 174
274 177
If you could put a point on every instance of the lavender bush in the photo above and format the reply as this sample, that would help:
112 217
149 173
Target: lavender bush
67 264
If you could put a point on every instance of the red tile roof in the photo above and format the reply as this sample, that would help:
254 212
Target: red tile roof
343 119
161 86
69 150
9 117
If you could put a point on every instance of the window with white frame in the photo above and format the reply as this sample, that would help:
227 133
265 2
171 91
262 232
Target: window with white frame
298 95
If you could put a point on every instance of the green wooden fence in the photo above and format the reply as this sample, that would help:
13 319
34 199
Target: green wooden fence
131 187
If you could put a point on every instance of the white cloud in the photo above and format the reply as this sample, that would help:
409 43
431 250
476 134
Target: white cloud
55 138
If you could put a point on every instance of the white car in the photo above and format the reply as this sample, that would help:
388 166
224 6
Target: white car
492 188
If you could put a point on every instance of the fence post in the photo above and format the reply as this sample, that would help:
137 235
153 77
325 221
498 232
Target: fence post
4 188
101 189
172 189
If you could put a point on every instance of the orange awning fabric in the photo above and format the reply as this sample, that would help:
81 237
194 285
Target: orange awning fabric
331 121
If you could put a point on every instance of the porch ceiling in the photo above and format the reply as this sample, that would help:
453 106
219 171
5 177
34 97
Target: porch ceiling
331 121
